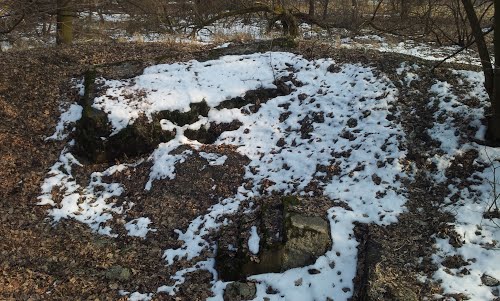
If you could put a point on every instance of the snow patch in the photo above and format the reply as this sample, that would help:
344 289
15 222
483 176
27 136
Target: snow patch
139 227
71 115
253 241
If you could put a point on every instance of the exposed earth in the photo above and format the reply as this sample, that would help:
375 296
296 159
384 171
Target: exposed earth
43 257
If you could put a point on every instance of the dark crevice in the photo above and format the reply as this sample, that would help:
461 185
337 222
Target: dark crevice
258 97
183 118
210 135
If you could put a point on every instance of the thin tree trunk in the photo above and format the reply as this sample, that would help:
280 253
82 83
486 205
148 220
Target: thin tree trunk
64 22
491 77
325 8
376 9
481 45
355 14
494 124
428 18
404 9
311 8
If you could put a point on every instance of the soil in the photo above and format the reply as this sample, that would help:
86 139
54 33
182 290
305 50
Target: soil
41 261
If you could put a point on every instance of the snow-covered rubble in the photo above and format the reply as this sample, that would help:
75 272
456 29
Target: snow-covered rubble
335 115
335 129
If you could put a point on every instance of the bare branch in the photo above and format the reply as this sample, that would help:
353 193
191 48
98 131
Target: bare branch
458 51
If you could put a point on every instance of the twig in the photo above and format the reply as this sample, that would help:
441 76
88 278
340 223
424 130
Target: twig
271 59
376 10
493 185
459 50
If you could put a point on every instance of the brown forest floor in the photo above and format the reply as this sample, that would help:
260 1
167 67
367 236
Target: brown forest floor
65 262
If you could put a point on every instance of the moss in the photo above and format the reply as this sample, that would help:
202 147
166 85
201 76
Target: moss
286 42
89 88
229 266
93 125
93 139
136 139
270 261
213 54
289 201
89 129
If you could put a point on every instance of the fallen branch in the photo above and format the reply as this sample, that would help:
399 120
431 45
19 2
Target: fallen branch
376 10
287 17
12 26
249 10
311 20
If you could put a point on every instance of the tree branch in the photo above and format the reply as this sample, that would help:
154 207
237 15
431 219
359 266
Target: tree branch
459 50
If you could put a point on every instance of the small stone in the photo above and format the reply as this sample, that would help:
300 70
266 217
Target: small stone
332 265
334 68
298 282
489 281
347 135
352 122
302 96
271 291
376 179
313 271
239 291
346 289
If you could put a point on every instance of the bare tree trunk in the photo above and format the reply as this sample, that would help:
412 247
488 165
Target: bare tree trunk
481 44
64 22
355 14
376 9
491 78
494 124
404 9
428 18
325 8
311 8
